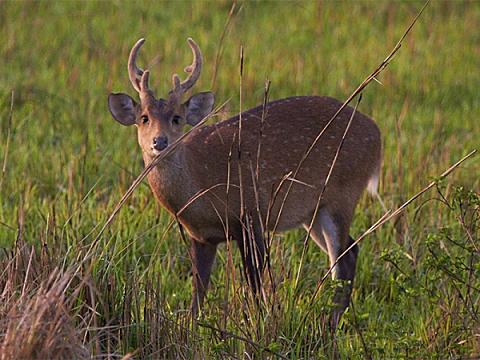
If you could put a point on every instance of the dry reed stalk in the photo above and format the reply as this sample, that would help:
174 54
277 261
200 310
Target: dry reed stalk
385 218
91 249
324 187
7 142
388 216
218 56
248 341
372 77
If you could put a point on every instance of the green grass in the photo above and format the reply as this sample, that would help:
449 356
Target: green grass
67 164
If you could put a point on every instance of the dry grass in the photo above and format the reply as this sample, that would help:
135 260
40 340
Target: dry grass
122 294
36 319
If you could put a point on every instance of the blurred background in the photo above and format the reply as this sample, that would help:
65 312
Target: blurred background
65 163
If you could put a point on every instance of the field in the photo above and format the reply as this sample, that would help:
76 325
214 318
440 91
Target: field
65 164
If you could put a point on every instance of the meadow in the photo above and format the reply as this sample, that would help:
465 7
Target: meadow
64 164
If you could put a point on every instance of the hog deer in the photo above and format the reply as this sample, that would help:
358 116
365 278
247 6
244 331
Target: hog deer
210 190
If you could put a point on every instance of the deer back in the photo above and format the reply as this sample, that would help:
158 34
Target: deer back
271 151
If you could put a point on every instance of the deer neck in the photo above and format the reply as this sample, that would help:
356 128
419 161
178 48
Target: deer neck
169 180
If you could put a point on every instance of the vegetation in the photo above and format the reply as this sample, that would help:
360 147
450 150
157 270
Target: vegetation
65 164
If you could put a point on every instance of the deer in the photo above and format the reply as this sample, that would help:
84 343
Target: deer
216 196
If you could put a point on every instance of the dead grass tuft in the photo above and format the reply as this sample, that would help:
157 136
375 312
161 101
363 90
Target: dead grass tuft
35 317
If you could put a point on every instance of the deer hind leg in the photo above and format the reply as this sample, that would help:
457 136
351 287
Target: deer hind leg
317 236
334 233
202 256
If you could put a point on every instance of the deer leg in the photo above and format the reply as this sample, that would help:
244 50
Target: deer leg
252 249
335 234
202 256
317 236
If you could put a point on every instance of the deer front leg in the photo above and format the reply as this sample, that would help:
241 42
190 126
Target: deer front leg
252 249
202 256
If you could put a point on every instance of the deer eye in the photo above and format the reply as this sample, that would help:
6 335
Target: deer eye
144 119
176 119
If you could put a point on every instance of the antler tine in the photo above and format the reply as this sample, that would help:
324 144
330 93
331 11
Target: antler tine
134 72
144 81
194 69
175 81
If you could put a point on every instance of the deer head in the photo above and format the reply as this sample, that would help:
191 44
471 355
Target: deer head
160 121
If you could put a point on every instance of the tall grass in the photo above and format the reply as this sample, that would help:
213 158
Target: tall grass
65 164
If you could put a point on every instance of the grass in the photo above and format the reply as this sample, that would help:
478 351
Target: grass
66 163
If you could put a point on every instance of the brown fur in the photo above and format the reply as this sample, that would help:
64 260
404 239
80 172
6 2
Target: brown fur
192 181
202 162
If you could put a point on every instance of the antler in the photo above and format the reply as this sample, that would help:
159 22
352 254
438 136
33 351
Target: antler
134 72
139 77
194 69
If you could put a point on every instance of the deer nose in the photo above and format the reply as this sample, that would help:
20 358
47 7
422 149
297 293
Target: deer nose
160 143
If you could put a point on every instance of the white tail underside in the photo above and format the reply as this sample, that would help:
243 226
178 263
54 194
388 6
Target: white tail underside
372 186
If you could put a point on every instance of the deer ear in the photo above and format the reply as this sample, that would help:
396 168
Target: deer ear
123 108
198 106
